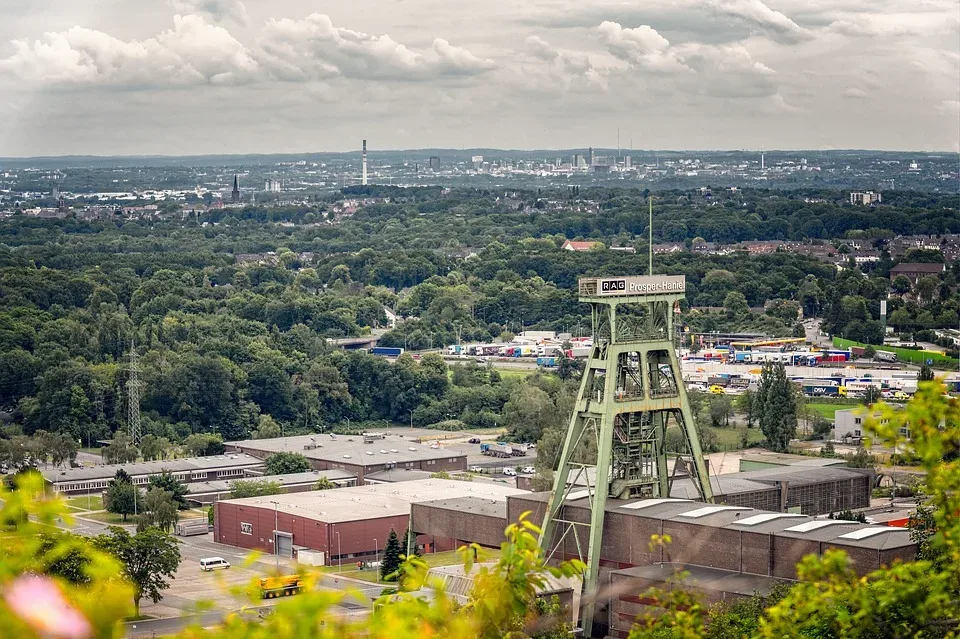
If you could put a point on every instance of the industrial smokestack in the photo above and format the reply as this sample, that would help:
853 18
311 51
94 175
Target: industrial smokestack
363 179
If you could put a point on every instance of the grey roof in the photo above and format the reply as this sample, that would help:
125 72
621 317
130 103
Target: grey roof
800 476
397 474
347 449
476 505
374 501
710 579
729 484
136 469
290 479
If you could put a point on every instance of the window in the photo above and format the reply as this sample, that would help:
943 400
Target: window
858 420
246 529
198 476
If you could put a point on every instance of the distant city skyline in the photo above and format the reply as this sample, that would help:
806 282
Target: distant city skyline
204 77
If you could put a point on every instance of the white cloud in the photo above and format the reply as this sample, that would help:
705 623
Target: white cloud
554 69
216 10
756 13
641 47
192 52
314 47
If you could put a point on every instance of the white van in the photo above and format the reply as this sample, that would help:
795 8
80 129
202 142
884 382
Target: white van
213 563
510 472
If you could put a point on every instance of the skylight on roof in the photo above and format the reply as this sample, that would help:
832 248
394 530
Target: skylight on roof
649 503
765 517
807 526
864 533
708 510
577 494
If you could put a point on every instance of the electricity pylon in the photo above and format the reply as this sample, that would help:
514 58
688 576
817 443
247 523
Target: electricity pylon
632 389
134 388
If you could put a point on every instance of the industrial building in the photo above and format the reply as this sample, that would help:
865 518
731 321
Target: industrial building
347 523
358 454
209 492
80 481
735 550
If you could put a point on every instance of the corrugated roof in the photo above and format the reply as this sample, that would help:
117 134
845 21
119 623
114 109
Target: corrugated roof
348 449
138 469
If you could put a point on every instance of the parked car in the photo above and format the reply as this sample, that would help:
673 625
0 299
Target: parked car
529 470
509 472
474 440
213 563
476 469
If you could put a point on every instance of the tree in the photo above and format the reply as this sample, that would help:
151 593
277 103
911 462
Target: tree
63 555
721 408
159 510
284 463
777 409
860 459
745 404
121 450
149 559
900 285
849 515
735 304
166 481
267 428
390 565
926 373
240 488
204 444
872 396
324 484
153 447
121 496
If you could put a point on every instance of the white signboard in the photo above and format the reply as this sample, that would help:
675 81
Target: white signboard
641 285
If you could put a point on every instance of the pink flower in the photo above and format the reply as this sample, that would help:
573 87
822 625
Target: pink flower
40 603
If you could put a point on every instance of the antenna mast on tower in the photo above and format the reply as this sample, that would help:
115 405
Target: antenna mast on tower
134 388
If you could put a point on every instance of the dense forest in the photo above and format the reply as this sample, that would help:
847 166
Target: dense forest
231 349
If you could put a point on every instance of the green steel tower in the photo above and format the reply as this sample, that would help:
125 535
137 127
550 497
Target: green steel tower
631 391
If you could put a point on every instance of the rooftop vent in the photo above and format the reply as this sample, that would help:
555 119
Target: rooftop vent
411 448
346 456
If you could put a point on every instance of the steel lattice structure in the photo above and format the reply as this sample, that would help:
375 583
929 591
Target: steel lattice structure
631 391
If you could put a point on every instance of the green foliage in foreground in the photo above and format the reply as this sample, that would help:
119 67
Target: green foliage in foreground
60 585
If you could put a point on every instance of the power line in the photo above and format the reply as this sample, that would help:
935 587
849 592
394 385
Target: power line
133 397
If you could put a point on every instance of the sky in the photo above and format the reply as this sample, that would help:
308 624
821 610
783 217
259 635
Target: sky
181 77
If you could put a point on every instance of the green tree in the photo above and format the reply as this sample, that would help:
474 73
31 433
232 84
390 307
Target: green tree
721 409
900 285
267 428
240 488
324 484
860 459
153 447
121 496
735 304
167 482
849 515
149 559
159 510
745 404
284 463
390 564
63 555
776 407
410 546
926 373
872 395
121 450
204 444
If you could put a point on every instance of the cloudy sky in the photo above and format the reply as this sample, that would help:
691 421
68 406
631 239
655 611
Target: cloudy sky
257 76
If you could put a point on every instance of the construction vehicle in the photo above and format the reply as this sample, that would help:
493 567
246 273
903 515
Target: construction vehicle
273 587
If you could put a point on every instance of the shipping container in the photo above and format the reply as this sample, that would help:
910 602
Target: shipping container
386 351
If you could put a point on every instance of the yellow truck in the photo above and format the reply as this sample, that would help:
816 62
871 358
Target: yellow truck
272 587
717 390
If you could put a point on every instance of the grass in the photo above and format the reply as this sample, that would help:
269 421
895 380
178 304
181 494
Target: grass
109 518
828 410
95 502
939 360
512 373
729 438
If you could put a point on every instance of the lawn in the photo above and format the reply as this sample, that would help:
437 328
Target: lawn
109 518
729 438
911 356
828 410
94 502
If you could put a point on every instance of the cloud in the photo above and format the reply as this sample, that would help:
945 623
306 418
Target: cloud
950 107
854 93
215 10
893 25
313 47
192 52
756 13
641 47
540 48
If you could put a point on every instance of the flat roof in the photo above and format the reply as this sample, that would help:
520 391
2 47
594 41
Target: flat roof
289 479
137 469
710 579
350 449
397 474
376 500
476 505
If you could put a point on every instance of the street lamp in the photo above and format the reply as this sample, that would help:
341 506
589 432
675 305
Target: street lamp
376 556
276 525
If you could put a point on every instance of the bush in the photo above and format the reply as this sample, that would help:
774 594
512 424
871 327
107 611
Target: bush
450 425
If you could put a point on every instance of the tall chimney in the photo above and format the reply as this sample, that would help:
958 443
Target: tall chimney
363 179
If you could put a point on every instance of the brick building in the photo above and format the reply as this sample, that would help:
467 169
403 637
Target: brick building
344 524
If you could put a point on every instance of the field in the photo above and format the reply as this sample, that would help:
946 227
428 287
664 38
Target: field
828 410
94 502
938 360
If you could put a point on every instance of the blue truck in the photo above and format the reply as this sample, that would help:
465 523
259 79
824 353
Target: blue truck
546 362
386 351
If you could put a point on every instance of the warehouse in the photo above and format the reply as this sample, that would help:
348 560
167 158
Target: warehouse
88 479
743 548
358 454
208 492
344 524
